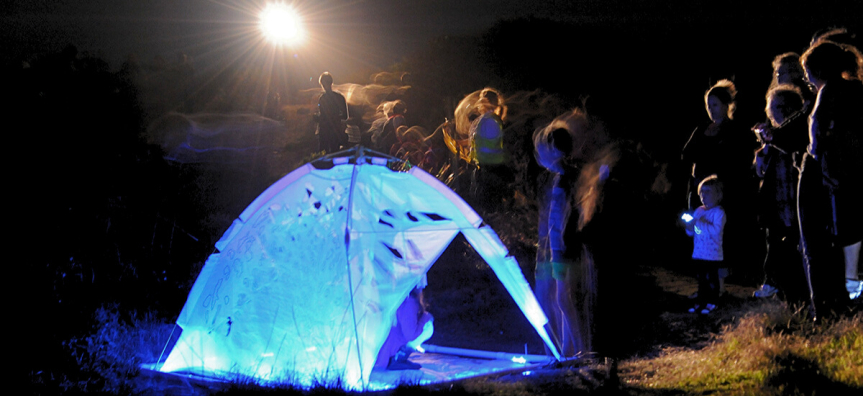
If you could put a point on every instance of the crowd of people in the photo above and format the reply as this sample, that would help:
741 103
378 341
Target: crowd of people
792 182
475 137
808 168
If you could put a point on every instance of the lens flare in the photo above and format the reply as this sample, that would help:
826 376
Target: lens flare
281 25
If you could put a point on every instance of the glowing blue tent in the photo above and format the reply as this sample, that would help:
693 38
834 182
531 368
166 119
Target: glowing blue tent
306 281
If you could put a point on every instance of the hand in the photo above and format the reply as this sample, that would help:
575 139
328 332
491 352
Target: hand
763 132
689 225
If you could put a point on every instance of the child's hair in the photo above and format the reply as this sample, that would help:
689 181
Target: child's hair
791 59
491 100
792 100
712 181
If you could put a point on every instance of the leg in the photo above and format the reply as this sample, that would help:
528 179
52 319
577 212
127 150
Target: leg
715 281
773 260
703 278
852 281
852 257
570 324
822 260
546 295
545 286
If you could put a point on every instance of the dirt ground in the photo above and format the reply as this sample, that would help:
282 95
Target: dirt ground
484 317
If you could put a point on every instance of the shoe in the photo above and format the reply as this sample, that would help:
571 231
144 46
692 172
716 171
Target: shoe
765 291
694 309
708 309
400 361
395 365
854 288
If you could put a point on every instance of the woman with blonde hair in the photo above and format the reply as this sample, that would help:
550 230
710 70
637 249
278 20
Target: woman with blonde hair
725 148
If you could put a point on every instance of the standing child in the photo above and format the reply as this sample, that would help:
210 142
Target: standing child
706 227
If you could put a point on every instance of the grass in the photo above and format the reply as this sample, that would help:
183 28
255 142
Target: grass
771 350
764 348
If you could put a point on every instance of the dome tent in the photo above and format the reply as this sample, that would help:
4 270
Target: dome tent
306 282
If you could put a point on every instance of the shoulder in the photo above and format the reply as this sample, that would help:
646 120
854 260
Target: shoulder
489 120
698 134
331 96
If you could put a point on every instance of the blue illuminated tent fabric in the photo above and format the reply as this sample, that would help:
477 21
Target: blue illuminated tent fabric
305 283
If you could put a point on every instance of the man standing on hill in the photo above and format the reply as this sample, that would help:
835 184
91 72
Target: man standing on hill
331 117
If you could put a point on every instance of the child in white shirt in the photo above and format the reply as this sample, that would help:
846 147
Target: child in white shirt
706 227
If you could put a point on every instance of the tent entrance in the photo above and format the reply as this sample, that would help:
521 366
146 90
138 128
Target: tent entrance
440 367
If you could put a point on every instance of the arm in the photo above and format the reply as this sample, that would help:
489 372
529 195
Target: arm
762 161
688 149
689 226
711 222
818 120
411 318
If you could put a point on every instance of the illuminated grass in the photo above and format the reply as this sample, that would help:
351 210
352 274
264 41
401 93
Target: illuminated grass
766 348
769 350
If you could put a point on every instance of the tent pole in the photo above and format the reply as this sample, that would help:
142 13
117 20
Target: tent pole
514 357
348 261
166 343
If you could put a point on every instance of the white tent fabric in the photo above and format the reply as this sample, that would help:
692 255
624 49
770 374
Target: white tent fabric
308 278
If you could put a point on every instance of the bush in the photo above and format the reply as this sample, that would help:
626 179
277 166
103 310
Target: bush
109 358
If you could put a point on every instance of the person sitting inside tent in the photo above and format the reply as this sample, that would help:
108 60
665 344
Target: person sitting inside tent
412 326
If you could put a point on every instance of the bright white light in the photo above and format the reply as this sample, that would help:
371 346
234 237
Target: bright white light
281 24
519 359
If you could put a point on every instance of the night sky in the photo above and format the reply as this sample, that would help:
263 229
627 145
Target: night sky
346 34
365 32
